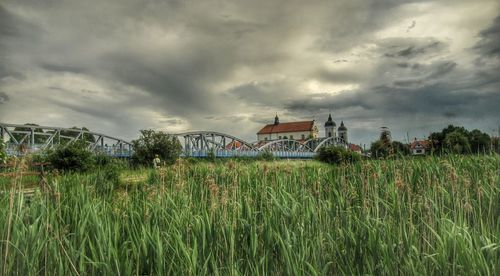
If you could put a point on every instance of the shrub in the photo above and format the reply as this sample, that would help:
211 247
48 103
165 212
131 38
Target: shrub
72 157
211 156
3 153
265 156
151 143
337 155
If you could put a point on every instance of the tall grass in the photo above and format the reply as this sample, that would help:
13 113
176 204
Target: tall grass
414 216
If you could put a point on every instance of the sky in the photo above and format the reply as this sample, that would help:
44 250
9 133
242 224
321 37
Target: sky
116 67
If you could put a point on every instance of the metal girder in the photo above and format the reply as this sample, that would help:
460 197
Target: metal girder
52 136
284 145
211 141
195 143
331 141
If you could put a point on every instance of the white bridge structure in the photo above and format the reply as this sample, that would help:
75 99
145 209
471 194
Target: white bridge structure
205 143
22 139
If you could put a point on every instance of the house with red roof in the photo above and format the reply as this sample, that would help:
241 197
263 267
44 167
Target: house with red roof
355 148
420 147
301 131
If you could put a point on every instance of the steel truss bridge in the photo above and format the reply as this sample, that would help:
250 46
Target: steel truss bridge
30 138
22 139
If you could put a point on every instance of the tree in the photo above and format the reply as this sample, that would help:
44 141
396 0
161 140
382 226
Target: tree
460 140
457 142
400 148
495 142
480 142
152 143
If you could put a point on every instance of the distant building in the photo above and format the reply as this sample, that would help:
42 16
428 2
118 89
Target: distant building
343 132
356 148
332 131
301 131
293 130
420 147
330 127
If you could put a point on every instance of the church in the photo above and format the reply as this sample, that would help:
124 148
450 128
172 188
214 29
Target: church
300 131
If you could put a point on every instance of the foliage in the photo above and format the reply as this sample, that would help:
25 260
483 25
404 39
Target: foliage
453 139
266 156
400 148
426 216
337 155
480 142
495 141
107 178
152 143
457 142
211 156
384 148
3 153
72 157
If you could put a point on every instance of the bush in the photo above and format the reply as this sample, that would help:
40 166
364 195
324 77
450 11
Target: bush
72 157
152 143
211 156
337 155
265 156
3 153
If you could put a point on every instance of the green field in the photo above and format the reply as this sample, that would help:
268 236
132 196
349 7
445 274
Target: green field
411 216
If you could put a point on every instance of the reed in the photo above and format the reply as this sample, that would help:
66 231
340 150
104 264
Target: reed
434 215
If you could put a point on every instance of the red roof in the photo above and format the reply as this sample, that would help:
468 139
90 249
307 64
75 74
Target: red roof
424 143
234 145
355 147
287 127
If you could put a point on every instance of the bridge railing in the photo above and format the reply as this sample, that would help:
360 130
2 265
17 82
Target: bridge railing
252 153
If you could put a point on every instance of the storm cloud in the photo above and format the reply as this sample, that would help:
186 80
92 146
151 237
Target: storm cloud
230 66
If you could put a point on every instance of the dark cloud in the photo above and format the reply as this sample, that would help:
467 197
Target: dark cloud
489 43
4 98
58 68
407 48
120 66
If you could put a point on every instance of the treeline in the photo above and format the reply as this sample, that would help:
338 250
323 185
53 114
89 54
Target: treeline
452 139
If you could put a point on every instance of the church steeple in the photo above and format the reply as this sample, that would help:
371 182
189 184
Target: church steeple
276 120
330 121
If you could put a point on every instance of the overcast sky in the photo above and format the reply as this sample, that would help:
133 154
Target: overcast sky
230 66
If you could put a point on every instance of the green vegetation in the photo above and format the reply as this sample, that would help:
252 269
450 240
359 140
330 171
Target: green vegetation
72 157
266 156
337 155
152 143
384 147
432 215
459 140
3 153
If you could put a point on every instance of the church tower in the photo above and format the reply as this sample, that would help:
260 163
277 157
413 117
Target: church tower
330 125
343 132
